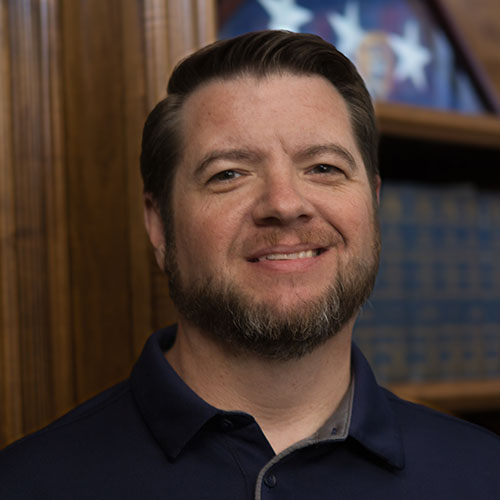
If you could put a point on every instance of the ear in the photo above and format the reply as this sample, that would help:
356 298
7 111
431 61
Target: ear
154 227
378 184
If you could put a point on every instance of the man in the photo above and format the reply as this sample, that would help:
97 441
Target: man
261 193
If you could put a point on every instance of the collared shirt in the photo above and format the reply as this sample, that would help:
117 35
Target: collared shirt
152 437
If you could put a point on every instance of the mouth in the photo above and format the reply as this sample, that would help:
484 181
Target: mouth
305 254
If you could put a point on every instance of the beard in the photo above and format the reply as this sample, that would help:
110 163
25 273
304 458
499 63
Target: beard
222 309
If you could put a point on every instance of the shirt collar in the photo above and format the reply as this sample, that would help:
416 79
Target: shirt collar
373 423
174 413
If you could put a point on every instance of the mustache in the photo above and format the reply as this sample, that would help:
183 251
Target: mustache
318 237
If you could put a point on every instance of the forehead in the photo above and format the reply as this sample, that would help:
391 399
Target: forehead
292 110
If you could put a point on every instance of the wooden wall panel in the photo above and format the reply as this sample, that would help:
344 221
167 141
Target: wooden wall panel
29 213
79 288
10 364
156 57
174 30
181 29
205 15
97 192
62 377
35 334
135 107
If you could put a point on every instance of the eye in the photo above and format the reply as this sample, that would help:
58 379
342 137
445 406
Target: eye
224 176
325 168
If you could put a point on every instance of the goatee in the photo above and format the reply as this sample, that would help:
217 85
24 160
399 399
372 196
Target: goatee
245 326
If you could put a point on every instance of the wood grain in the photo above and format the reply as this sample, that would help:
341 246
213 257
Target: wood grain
62 375
11 404
135 102
97 193
205 15
155 50
181 30
453 396
31 246
432 125
479 24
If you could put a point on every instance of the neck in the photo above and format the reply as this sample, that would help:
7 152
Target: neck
290 400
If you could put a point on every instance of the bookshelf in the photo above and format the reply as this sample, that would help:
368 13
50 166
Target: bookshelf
438 148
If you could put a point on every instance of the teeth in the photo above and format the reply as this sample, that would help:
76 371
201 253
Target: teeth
290 256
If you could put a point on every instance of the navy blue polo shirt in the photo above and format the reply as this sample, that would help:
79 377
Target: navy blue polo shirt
151 437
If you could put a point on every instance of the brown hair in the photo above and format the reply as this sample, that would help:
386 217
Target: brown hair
258 54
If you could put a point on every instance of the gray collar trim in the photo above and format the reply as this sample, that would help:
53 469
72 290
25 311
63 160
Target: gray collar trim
336 428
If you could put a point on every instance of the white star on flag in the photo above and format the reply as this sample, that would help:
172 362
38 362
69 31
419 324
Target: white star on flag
348 29
286 14
411 56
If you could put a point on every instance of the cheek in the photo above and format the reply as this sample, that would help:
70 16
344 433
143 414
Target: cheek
365 227
204 239
191 251
353 218
192 241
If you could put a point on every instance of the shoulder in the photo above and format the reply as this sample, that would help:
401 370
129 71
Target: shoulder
62 454
83 416
416 419
445 444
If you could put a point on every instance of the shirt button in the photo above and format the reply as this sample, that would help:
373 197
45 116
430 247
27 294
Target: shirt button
226 424
270 480
334 431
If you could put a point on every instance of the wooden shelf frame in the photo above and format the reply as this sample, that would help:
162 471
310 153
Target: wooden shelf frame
438 126
457 396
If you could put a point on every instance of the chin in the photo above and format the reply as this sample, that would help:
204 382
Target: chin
288 301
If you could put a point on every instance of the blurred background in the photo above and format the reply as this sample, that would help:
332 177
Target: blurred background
79 288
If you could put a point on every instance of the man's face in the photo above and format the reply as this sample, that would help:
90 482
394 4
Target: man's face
271 206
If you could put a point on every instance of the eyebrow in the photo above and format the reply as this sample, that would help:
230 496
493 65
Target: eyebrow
238 155
247 155
319 149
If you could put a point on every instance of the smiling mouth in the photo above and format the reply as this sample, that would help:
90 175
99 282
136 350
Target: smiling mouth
307 254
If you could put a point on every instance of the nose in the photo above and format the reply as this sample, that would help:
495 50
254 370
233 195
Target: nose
282 201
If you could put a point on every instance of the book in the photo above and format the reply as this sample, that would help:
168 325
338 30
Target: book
435 310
